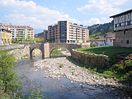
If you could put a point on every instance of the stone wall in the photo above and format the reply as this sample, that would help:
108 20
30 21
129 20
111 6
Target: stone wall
21 53
123 38
91 59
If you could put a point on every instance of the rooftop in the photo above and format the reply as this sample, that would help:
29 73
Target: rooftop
125 12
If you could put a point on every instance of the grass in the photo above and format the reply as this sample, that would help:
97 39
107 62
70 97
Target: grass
110 51
119 70
56 53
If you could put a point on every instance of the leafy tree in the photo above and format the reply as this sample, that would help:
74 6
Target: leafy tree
8 79
39 40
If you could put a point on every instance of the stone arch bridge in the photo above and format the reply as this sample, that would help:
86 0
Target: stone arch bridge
47 48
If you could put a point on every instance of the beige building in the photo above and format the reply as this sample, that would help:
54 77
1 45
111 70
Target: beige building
105 40
123 29
67 32
5 37
19 32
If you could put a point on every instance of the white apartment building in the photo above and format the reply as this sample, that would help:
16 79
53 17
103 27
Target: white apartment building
18 31
67 32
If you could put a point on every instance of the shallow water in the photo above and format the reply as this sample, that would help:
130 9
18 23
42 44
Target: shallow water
62 88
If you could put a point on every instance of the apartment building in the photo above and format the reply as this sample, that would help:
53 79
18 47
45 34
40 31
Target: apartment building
67 32
123 29
19 32
5 37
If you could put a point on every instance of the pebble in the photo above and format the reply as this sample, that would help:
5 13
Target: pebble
71 71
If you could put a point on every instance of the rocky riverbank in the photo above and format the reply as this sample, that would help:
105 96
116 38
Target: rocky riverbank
62 67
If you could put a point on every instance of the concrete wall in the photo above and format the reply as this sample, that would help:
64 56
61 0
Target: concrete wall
123 38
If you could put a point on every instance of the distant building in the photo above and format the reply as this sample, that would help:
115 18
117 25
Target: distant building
19 32
67 32
123 29
43 35
105 40
5 37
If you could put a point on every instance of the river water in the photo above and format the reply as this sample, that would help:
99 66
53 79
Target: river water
63 88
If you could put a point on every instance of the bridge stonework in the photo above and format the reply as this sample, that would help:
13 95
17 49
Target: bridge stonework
47 48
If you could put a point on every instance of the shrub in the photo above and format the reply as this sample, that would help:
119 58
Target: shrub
108 73
8 79
129 76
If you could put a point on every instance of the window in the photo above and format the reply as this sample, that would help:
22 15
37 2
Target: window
119 24
127 42
121 41
115 25
124 32
128 22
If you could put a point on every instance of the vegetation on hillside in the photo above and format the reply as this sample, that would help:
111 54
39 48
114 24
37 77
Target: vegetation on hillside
101 28
119 68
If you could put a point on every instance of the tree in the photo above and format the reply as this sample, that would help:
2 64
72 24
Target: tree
8 79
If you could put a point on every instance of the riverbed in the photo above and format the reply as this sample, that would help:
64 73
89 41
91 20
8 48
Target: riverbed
35 74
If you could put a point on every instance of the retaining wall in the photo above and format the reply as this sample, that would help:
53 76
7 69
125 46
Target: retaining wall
91 59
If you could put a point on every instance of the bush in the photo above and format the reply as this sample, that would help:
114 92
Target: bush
108 73
8 79
129 76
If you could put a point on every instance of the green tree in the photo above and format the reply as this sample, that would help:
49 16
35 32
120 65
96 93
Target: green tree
39 40
8 79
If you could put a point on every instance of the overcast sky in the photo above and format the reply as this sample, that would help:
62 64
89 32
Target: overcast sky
41 13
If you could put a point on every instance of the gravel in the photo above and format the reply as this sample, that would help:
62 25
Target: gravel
62 67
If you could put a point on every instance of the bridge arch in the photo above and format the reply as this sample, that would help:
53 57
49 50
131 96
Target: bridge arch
68 47
59 50
36 46
47 48
39 50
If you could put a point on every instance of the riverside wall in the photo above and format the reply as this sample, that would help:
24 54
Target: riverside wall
90 59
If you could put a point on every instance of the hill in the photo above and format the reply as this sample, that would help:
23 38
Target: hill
99 29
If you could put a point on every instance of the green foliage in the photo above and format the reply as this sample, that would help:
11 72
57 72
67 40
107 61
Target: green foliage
129 76
23 40
101 28
8 79
35 94
92 36
56 53
39 40
121 70
108 73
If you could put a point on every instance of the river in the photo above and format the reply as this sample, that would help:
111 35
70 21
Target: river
34 78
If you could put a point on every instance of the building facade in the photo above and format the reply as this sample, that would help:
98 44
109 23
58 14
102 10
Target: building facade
67 32
123 29
105 40
5 37
19 32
